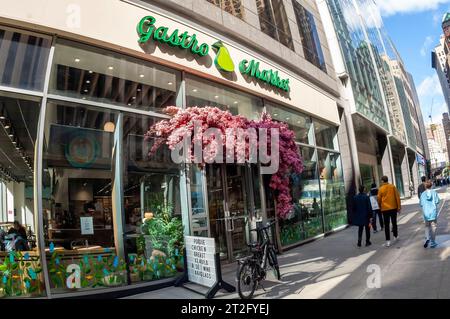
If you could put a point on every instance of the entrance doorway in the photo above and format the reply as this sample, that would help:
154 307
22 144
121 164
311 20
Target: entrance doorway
231 205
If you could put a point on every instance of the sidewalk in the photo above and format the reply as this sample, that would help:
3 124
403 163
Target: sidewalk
334 267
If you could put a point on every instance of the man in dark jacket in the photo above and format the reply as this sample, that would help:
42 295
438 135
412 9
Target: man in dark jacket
362 211
422 187
375 209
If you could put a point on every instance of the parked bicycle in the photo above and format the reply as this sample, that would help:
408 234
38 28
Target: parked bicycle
252 270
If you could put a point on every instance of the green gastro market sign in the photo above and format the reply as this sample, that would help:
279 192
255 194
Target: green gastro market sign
147 31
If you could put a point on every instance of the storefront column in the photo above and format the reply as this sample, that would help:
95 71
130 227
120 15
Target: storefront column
387 162
406 174
117 189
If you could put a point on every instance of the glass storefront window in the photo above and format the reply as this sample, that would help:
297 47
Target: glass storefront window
89 73
78 204
202 93
153 224
306 220
23 59
299 123
333 190
20 264
326 136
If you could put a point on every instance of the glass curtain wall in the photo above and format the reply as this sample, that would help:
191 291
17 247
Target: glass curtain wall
356 50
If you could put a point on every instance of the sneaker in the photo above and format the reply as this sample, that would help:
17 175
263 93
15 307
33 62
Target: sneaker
397 238
388 244
427 242
375 231
433 245
368 244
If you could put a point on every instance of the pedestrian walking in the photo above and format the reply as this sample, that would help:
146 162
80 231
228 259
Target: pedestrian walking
421 187
390 205
362 215
429 202
376 212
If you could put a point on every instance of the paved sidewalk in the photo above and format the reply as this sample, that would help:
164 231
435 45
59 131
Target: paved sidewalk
334 267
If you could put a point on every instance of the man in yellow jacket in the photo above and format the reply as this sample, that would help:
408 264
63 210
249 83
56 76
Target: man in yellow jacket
390 205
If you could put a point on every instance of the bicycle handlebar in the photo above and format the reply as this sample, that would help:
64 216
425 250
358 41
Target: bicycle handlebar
262 228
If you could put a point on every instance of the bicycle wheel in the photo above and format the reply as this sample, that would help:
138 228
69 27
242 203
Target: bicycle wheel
273 261
246 280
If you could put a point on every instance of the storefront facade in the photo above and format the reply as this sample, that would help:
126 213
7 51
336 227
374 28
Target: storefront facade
102 213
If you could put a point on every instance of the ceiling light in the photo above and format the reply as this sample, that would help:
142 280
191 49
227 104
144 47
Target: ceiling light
134 98
84 98
86 91
109 127
7 126
11 135
88 81
2 117
110 67
194 90
216 97
275 114
170 83
141 75
129 104
77 60
287 118
90 72
235 102
139 90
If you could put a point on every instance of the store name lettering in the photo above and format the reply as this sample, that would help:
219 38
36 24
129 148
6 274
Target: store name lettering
147 30
271 77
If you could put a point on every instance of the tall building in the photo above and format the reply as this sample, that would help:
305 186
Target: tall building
439 63
438 144
381 99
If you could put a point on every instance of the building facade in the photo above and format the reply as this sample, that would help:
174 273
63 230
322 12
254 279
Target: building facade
381 99
439 155
439 63
78 97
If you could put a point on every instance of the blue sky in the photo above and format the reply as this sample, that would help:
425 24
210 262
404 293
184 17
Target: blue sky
415 28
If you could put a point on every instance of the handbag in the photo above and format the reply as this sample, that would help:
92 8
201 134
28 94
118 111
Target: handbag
374 203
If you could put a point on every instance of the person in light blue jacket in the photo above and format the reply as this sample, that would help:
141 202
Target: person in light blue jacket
429 200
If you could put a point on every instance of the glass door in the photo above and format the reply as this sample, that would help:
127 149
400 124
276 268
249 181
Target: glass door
228 205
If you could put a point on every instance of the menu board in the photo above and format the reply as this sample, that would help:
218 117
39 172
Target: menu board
200 257
87 225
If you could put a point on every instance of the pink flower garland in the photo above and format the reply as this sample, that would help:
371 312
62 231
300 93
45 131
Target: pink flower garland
174 130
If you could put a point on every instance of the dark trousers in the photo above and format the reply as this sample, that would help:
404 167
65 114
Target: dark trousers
377 213
360 232
390 216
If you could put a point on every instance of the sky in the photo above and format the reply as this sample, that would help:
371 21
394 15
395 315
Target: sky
415 29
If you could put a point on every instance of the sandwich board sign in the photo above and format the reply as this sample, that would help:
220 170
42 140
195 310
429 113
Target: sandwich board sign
200 255
202 265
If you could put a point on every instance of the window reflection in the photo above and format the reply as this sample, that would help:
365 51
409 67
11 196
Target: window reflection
274 21
333 190
306 220
233 7
326 136
23 59
309 36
